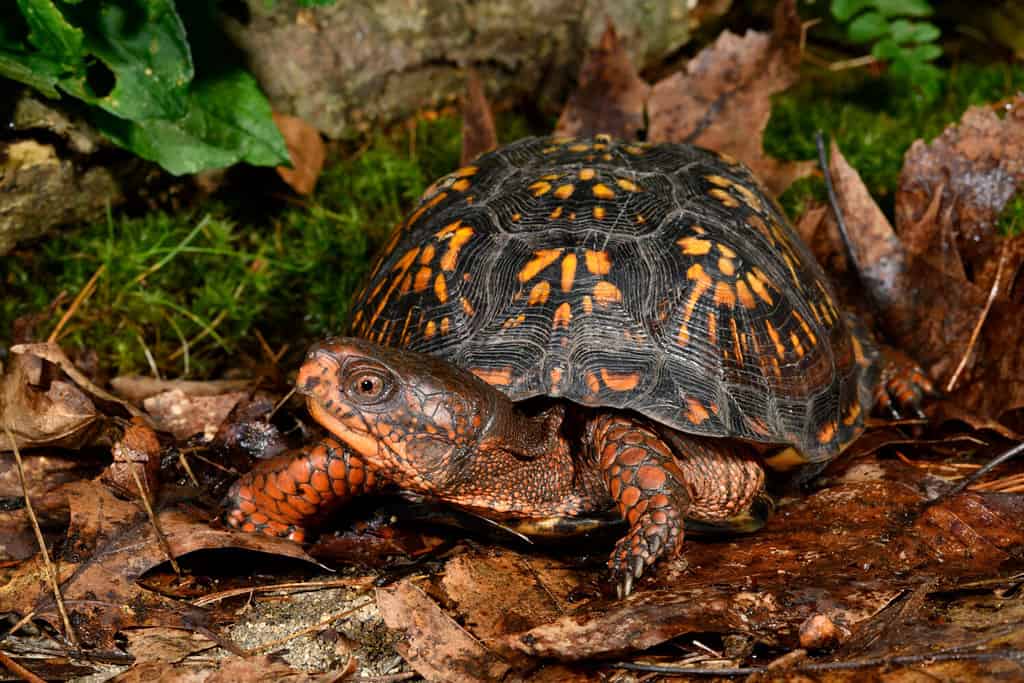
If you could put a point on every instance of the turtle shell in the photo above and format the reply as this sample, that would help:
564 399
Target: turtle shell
654 278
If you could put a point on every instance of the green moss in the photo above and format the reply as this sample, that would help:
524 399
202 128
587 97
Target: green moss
873 122
209 279
1011 221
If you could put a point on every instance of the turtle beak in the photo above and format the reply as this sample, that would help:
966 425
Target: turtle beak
318 371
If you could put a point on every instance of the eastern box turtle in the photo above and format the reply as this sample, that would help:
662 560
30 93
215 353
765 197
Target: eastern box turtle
656 287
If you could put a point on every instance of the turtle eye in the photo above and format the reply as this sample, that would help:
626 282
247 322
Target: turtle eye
367 386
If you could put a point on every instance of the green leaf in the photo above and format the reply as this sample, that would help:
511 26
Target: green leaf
37 72
228 120
139 45
888 50
868 27
51 33
901 8
905 31
843 10
925 53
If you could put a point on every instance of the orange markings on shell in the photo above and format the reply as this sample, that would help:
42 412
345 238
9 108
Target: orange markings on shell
501 377
602 191
565 191
540 188
724 197
598 262
696 412
744 295
455 244
592 383
539 293
780 350
606 293
563 315
724 296
568 272
627 185
542 258
626 381
466 171
598 213
693 246
827 433
441 288
460 185
422 279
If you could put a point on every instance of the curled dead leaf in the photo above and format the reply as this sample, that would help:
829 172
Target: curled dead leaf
478 132
306 149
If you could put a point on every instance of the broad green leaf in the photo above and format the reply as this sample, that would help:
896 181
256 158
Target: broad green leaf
843 10
143 44
888 50
901 8
228 120
868 27
926 53
905 31
51 33
37 72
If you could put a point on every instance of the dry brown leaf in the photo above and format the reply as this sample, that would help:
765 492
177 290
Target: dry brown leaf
964 178
610 95
111 543
306 149
932 313
183 415
42 408
723 100
478 132
137 388
434 645
138 449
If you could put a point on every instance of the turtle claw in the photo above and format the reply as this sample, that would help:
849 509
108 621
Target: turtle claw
640 548
902 387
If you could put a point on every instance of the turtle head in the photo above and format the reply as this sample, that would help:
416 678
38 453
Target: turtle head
410 416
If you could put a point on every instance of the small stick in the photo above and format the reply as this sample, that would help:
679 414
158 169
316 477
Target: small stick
1012 655
280 403
21 622
301 586
51 571
188 469
80 298
18 669
981 321
327 621
161 539
995 462
844 64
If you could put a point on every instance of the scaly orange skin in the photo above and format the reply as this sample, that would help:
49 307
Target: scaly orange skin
426 426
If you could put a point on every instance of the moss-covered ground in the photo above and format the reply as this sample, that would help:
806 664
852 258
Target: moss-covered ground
199 292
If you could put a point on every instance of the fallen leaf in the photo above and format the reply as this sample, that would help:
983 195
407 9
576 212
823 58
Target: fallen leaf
43 408
110 544
478 132
610 95
932 313
137 388
953 189
183 415
307 152
434 644
723 100
138 449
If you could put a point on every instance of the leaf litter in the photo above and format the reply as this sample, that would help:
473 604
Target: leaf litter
871 571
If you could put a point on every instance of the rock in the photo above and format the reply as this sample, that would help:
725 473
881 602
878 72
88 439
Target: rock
351 65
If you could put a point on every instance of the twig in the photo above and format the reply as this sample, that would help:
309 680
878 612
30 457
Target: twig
188 469
1012 655
327 621
962 485
51 571
79 299
160 537
389 678
17 626
18 669
856 62
300 586
277 406
194 452
981 321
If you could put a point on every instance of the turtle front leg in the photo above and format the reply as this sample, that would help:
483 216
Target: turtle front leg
655 489
281 496
902 385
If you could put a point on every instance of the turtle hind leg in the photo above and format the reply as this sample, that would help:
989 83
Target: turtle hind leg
656 480
283 495
902 385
